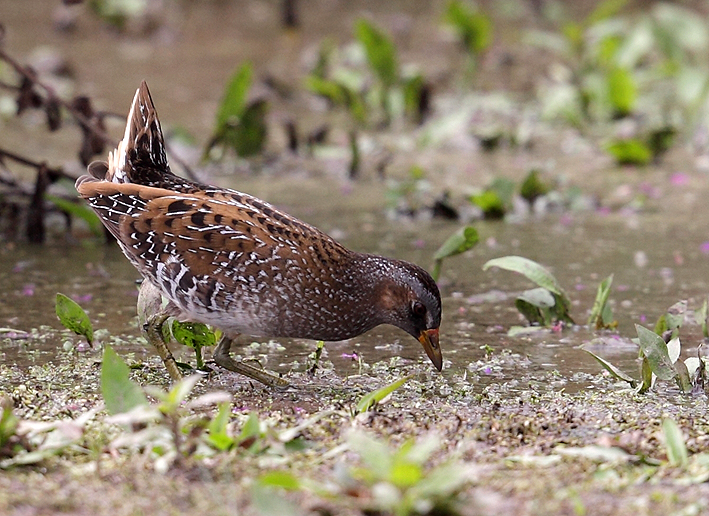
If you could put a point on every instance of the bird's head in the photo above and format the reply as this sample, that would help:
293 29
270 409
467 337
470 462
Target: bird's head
409 298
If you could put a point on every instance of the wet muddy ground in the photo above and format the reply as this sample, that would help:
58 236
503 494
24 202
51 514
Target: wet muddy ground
518 415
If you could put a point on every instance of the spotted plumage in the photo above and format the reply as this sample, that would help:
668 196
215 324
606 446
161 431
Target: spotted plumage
228 259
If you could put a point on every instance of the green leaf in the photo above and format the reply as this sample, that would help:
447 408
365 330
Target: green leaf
597 318
179 392
604 10
370 400
233 103
622 91
684 380
73 317
533 313
490 203
194 335
675 315
414 88
246 135
676 448
474 28
80 211
251 429
405 474
218 436
120 394
281 479
528 268
459 242
533 187
331 90
630 152
645 376
268 501
655 350
539 297
613 370
380 50
374 453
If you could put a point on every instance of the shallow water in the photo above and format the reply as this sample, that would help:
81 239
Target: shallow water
656 254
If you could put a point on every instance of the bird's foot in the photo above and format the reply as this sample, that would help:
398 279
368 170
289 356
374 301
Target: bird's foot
151 317
223 358
153 332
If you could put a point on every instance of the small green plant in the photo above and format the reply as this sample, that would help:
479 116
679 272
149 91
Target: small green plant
74 318
473 27
602 314
533 186
194 335
660 356
240 124
462 240
541 306
495 200
372 399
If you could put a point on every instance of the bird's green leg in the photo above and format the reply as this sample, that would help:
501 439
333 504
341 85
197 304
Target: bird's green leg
151 317
223 358
152 331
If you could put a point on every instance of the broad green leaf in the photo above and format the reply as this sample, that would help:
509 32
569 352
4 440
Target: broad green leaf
73 317
539 297
251 429
120 394
374 453
8 422
533 187
442 481
331 90
405 474
459 242
474 28
218 436
490 203
676 448
268 501
655 350
179 392
415 90
646 376
282 479
596 319
684 380
81 211
234 101
613 370
675 315
630 152
194 335
370 400
247 134
560 310
604 10
533 313
380 50
622 91
530 269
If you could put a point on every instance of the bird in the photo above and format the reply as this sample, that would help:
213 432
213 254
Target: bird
230 260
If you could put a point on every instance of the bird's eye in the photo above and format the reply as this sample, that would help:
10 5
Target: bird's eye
419 309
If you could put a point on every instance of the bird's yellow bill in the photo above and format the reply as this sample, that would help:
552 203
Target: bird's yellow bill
429 340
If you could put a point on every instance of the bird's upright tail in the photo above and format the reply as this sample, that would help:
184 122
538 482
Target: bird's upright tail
140 156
